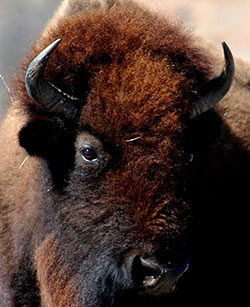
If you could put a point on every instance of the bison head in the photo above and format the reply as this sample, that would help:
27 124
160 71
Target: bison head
113 205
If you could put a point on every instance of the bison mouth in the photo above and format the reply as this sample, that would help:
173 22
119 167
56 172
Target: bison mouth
154 285
138 278
155 280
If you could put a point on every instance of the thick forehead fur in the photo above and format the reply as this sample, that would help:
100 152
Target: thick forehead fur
132 69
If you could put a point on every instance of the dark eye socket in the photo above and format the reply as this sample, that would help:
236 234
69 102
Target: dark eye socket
89 154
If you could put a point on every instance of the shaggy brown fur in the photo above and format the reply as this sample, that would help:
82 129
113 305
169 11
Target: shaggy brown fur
65 227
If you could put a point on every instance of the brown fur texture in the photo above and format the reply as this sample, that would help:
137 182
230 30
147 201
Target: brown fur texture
67 226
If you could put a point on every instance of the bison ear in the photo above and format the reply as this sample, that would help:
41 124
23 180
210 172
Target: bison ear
49 139
42 136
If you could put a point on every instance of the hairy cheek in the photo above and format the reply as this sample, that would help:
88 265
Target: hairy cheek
55 277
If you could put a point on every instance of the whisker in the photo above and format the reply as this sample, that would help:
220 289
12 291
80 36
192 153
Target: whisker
134 139
7 87
22 164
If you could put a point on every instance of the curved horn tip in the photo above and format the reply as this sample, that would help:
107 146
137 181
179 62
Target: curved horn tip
44 55
226 49
228 56
214 90
42 92
49 50
38 64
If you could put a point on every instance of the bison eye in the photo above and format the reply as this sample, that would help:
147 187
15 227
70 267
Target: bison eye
89 154
189 159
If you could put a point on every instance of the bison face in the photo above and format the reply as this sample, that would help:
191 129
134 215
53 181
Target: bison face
114 209
129 217
117 217
113 225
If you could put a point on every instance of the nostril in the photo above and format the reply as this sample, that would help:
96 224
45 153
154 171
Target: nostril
145 272
145 275
149 268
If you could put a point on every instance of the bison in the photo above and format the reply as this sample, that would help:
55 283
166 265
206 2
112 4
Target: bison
124 166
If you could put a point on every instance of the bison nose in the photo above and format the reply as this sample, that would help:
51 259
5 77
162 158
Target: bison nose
150 277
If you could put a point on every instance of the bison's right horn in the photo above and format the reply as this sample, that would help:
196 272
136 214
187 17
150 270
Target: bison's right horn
216 89
44 94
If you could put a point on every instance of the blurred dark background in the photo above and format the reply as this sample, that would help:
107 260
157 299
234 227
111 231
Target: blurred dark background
21 21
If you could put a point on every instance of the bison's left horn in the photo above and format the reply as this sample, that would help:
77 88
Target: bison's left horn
44 94
216 88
